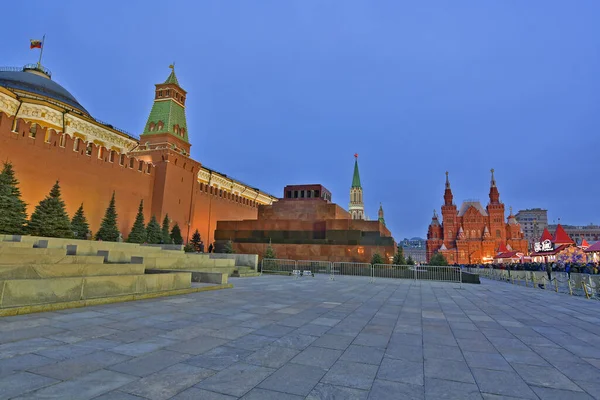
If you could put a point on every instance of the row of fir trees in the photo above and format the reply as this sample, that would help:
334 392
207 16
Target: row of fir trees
50 218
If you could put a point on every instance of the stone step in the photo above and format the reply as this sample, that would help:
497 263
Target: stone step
28 259
45 271
245 274
188 262
34 292
30 251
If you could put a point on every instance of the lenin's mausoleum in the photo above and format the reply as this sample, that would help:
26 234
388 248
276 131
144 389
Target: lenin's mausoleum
48 135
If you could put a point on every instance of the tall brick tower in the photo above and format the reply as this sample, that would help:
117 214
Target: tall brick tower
356 207
495 211
450 223
165 144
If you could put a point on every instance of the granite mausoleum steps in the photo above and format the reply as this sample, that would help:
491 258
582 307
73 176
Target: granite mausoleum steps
39 274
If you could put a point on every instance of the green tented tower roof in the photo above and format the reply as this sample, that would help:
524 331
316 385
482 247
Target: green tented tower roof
168 111
356 176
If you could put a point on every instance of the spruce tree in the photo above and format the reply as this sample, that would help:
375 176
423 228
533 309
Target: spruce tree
410 261
138 231
176 234
13 216
438 259
228 248
166 238
399 257
269 252
377 259
79 224
196 239
153 232
50 219
108 231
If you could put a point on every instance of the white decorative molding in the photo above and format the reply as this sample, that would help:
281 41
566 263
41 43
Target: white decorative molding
91 131
8 105
221 182
40 113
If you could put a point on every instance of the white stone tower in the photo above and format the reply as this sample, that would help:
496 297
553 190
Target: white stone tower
356 207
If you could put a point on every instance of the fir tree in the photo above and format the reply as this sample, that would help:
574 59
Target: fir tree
438 259
138 231
108 231
399 257
13 216
269 252
228 248
410 261
166 238
153 232
50 219
377 259
79 224
176 234
196 239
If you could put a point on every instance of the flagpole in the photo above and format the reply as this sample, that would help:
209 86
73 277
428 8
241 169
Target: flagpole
41 52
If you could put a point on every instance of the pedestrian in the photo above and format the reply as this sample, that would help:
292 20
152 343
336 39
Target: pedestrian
210 248
201 246
549 271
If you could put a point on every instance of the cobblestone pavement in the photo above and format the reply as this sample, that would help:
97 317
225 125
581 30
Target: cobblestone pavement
279 338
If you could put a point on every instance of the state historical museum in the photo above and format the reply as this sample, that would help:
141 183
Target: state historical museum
473 234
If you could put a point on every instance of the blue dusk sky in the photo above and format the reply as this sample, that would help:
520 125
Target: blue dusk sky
285 92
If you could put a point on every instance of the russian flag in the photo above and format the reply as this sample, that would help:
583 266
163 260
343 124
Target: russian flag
35 44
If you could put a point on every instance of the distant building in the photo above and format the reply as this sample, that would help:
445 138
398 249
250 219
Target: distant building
415 248
533 222
474 234
590 232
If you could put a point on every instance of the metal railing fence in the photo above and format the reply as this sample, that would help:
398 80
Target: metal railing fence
358 269
574 284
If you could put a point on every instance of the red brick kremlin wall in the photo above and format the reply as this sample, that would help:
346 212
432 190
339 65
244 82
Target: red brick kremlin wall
166 187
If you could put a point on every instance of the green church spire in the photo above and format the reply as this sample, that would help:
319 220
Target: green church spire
168 111
356 176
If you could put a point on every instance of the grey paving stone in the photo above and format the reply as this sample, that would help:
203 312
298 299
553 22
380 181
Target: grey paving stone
556 394
443 352
65 352
32 345
294 379
448 370
326 321
150 363
350 374
524 357
117 395
450 390
324 391
271 356
168 382
336 342
312 330
22 382
545 377
504 383
219 358
136 349
74 367
317 357
295 341
363 354
387 390
493 361
264 394
274 330
245 376
593 388
232 332
198 345
252 342
83 387
402 352
23 363
401 371
372 340
200 394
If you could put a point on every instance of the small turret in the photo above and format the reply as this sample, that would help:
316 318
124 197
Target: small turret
494 194
380 214
356 207
448 197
